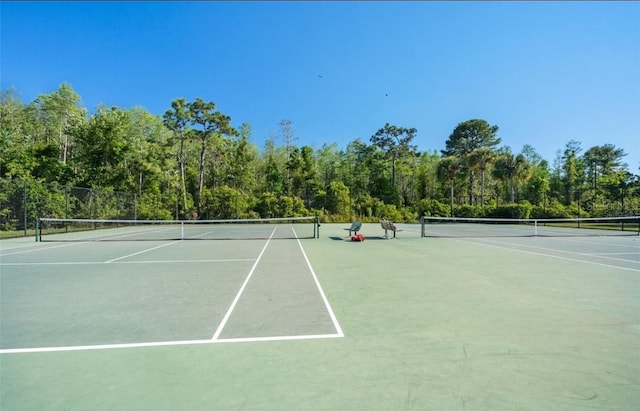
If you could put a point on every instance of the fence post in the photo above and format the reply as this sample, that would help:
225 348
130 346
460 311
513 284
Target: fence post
66 201
25 207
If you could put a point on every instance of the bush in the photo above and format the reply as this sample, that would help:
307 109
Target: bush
520 211
150 207
270 205
553 210
369 208
291 207
337 199
432 208
266 205
390 212
469 211
224 203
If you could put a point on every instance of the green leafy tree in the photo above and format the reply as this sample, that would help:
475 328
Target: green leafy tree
152 166
224 202
573 171
177 121
337 199
481 159
380 185
601 161
395 142
103 146
617 185
328 163
211 125
467 137
538 185
512 169
531 155
243 164
61 113
193 154
35 139
15 139
295 173
309 174
46 165
290 206
270 167
406 180
355 170
289 138
448 169
267 204
428 175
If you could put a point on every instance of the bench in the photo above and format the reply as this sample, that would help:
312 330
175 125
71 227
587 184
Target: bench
355 227
388 226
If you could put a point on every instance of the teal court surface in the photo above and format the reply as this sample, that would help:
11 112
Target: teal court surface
452 323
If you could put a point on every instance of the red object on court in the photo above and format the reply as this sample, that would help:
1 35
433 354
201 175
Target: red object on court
357 237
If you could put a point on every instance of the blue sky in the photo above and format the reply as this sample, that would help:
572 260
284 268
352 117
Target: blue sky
544 72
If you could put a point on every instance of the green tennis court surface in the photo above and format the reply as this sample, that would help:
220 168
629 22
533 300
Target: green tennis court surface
499 323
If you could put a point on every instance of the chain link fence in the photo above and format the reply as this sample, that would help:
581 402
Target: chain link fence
22 202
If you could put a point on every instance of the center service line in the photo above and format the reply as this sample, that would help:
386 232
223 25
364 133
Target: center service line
143 251
244 285
332 315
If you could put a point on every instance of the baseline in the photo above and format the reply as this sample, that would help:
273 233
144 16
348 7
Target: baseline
165 344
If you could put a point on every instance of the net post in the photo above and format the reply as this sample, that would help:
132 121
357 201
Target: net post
422 227
316 227
38 238
182 230
535 227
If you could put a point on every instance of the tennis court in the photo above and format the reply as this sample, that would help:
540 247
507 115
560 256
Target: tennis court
279 323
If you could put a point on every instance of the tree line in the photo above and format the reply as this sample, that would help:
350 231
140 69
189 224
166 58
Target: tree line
192 163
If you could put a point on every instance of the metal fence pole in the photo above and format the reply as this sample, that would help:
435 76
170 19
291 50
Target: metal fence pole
25 208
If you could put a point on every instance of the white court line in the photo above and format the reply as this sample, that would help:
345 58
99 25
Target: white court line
324 297
244 285
53 263
165 344
222 260
215 339
200 235
546 255
91 236
621 243
132 262
44 248
143 251
601 255
636 253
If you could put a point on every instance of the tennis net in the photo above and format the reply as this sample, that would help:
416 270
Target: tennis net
67 229
549 227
